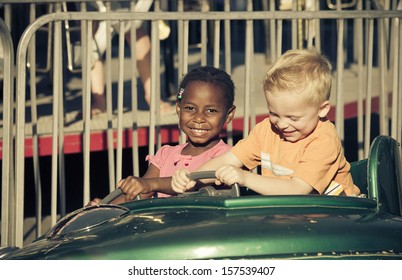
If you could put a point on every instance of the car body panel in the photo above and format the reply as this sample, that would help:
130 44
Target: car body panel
226 228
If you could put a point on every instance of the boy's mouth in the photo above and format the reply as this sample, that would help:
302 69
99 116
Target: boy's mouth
287 133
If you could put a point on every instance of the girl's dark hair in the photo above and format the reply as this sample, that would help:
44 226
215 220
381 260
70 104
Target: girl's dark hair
209 74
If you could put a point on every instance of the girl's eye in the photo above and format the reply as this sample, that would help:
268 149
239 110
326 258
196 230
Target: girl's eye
212 110
189 108
294 119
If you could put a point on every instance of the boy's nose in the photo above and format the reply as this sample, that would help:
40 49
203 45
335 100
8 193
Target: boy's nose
282 124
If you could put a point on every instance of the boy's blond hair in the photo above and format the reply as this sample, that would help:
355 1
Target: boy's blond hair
301 71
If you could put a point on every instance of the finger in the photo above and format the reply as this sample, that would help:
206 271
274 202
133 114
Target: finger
177 187
180 178
217 182
94 202
190 185
120 183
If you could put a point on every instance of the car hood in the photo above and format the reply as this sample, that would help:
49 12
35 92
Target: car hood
231 228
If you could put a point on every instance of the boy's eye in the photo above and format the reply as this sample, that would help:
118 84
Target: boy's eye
294 119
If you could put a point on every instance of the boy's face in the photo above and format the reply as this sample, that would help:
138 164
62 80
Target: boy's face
292 116
202 112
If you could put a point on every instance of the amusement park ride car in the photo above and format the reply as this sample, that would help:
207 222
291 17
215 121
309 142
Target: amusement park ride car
238 224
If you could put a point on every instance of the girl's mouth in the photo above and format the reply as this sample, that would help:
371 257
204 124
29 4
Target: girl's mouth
198 131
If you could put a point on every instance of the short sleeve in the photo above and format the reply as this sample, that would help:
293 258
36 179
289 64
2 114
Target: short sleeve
320 162
160 157
248 150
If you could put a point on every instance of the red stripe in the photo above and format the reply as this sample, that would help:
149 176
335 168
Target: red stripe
73 143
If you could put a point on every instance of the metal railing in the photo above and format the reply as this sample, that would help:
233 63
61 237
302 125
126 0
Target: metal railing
7 190
372 29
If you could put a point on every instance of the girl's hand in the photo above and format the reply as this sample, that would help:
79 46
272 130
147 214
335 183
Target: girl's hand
133 186
229 174
94 202
180 182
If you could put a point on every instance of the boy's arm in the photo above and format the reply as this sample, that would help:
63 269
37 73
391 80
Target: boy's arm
229 175
272 186
181 183
215 163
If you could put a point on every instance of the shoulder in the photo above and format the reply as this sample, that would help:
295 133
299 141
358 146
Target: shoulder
220 148
325 135
167 149
221 145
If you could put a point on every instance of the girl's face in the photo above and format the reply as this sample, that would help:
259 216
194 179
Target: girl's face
202 112
292 116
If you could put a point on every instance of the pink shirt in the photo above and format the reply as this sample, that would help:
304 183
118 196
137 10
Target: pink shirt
169 158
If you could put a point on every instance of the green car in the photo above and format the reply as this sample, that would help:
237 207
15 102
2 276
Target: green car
238 224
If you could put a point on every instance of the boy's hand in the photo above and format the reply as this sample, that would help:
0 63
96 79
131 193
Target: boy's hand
229 174
180 182
133 186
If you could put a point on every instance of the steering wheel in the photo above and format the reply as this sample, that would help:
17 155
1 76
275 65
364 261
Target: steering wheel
113 195
234 191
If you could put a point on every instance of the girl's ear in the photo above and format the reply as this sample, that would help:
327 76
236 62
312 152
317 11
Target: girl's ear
324 109
178 108
230 114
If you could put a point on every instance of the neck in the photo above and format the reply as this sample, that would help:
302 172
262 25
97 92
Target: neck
195 149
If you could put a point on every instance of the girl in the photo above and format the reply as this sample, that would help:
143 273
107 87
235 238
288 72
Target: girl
204 105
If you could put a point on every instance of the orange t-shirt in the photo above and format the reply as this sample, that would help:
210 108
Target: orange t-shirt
317 159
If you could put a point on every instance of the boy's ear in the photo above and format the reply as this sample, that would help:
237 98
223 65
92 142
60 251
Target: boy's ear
230 114
324 109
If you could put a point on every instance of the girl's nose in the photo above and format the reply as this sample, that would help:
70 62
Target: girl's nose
199 116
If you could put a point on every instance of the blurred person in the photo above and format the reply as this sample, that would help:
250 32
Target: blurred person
143 54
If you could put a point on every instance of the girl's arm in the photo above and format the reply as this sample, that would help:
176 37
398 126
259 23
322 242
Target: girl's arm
145 186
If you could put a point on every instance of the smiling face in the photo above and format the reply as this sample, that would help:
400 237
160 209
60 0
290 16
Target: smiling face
203 112
293 116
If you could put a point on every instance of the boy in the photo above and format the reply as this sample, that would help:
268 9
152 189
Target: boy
297 147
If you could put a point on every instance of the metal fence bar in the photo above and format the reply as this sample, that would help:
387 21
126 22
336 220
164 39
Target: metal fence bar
383 65
399 120
7 200
247 78
34 120
228 64
120 93
272 32
55 111
184 61
395 59
157 97
369 63
86 36
339 120
204 34
134 102
60 118
152 109
109 111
